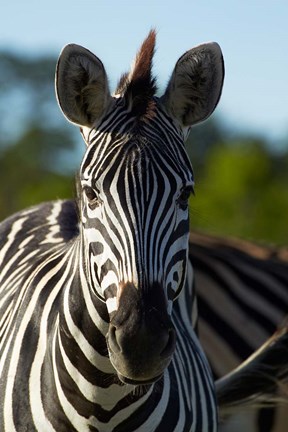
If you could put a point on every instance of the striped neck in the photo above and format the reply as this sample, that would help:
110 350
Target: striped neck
79 363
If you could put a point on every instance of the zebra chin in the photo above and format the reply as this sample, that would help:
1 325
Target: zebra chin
138 382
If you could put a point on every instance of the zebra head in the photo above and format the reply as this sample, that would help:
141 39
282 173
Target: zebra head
135 181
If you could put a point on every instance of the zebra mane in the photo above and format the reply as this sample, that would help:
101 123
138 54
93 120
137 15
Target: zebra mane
139 86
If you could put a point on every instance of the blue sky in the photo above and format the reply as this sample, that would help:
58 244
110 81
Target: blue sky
253 36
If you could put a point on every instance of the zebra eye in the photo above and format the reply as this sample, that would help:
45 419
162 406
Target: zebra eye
91 196
185 195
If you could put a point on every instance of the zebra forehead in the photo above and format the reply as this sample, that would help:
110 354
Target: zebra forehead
138 151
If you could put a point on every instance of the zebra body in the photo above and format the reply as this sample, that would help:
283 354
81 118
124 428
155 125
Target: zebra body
242 296
95 307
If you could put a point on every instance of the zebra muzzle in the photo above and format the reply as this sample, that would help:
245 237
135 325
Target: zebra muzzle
141 340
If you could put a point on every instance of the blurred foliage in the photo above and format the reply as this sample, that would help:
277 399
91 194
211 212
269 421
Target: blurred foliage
38 151
241 183
241 190
27 93
30 170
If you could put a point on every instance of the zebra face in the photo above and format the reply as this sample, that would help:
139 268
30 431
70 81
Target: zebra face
135 182
135 187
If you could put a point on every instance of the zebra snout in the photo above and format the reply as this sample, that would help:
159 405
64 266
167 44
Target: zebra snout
141 354
141 337
159 343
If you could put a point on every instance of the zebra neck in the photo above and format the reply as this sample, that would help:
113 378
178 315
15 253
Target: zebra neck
78 350
82 372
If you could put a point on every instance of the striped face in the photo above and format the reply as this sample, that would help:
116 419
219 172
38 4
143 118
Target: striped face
136 181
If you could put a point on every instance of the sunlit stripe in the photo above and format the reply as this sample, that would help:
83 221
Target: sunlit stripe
96 359
78 422
8 401
53 224
35 383
111 304
15 229
92 392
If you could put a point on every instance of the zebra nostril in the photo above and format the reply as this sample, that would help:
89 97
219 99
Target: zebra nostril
113 343
170 346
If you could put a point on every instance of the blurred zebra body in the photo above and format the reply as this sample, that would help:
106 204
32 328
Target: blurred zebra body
242 295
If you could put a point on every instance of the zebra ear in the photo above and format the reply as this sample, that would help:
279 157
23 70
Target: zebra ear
81 85
194 89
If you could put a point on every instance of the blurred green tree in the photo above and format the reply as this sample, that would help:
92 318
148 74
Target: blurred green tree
38 151
203 138
242 191
30 169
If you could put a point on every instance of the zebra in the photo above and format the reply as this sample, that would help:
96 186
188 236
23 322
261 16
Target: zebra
242 296
95 327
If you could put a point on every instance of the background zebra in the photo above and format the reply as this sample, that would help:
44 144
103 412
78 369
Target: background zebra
88 340
242 293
